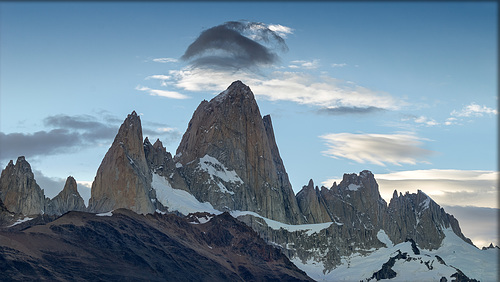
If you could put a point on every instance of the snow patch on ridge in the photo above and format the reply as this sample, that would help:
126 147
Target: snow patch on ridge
218 172
425 204
215 168
353 187
179 200
382 237
276 225
19 221
110 213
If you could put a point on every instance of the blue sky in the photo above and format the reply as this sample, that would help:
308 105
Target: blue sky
406 90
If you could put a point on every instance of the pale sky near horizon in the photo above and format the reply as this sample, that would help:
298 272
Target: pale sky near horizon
407 90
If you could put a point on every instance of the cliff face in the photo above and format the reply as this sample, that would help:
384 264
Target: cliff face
123 179
229 158
161 162
67 200
418 217
19 191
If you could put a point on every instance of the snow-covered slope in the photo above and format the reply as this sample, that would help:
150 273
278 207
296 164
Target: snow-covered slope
408 263
178 200
453 256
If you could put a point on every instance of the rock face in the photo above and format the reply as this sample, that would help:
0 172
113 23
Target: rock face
123 179
358 215
312 204
6 216
229 158
161 162
418 217
126 246
67 200
19 191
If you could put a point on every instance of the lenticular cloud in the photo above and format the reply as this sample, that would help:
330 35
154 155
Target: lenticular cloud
237 45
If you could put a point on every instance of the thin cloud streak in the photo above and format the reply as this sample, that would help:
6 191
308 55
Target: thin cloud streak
165 60
350 110
162 93
297 87
379 149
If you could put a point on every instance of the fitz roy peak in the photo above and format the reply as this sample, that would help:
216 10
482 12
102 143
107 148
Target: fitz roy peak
229 158
228 167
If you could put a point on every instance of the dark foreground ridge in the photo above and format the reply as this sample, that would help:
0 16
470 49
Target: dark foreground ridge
123 245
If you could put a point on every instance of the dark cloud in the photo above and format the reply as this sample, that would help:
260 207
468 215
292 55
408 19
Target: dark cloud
89 128
235 45
71 134
350 110
38 143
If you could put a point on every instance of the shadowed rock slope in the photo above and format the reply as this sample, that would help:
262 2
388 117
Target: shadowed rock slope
123 245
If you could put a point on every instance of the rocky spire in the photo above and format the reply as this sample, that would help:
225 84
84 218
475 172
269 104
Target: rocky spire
18 189
311 204
230 157
161 162
123 179
418 217
67 200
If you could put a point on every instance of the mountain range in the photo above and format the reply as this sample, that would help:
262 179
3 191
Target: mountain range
223 208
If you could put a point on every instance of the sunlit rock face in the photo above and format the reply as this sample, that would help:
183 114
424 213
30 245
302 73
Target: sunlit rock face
229 157
19 191
67 200
123 179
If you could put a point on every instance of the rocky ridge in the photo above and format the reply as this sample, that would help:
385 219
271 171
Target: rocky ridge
358 214
123 245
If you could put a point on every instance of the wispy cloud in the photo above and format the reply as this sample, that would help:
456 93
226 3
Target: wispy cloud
474 110
421 120
445 186
378 149
339 65
350 110
298 64
158 76
165 60
161 93
281 30
297 87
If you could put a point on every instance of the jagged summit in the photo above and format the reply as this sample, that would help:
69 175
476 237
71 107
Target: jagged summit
18 189
236 89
